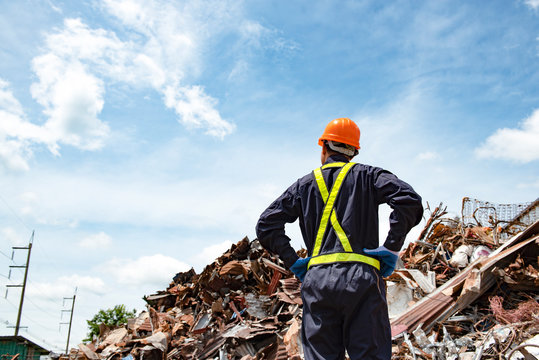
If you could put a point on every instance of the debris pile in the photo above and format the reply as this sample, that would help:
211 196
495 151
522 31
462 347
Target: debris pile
245 305
461 291
465 293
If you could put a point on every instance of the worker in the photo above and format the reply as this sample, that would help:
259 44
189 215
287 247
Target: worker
343 290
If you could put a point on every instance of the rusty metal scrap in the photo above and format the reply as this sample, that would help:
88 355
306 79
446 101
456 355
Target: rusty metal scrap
463 318
525 311
463 291
245 305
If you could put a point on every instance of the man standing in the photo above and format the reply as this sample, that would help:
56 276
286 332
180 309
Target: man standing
344 296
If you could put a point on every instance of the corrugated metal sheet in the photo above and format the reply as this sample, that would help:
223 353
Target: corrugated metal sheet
26 349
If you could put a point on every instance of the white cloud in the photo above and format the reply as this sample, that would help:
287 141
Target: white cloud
529 185
162 46
254 35
155 269
239 71
71 95
96 241
29 197
15 131
54 7
78 60
534 4
175 37
13 155
65 286
8 103
210 253
72 101
196 109
13 237
196 204
427 155
519 145
29 201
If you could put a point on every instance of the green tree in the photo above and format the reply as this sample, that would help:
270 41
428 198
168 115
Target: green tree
116 316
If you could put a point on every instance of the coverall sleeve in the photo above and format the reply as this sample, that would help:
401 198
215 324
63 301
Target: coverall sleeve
406 205
270 228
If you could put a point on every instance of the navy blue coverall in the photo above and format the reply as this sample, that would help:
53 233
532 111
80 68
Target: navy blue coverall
344 303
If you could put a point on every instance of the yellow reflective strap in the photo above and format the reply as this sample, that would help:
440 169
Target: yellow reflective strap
321 184
329 207
340 232
336 226
342 257
335 164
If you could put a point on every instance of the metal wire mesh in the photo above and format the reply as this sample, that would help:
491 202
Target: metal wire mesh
483 213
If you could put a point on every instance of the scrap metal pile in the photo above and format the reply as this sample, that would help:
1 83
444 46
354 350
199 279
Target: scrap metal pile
466 293
245 305
462 291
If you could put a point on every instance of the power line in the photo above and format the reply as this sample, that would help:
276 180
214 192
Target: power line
38 324
9 257
9 302
40 308
17 267
27 318
38 338
14 213
44 297
48 257
35 289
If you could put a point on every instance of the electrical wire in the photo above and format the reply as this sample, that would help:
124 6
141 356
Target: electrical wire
9 324
38 339
38 324
9 257
14 213
41 309
12 304
29 281
47 256
27 318
4 321
42 249
44 296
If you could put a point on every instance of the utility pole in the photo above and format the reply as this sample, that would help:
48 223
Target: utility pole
29 248
70 318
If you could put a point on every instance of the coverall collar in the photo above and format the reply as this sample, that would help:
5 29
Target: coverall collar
336 158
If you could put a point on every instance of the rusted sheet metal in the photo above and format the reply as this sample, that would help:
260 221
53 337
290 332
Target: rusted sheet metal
247 306
450 313
455 294
274 282
274 266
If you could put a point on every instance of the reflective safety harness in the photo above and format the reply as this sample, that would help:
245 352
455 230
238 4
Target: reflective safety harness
329 214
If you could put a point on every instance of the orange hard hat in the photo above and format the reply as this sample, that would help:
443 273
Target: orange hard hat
341 130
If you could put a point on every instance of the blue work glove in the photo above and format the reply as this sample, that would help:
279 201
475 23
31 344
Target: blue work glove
300 268
388 259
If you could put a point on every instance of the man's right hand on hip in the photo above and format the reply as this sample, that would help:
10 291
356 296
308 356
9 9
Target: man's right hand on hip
388 259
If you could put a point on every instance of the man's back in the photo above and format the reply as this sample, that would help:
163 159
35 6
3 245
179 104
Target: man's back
343 292
364 188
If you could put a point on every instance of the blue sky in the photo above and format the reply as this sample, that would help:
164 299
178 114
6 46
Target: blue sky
140 138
